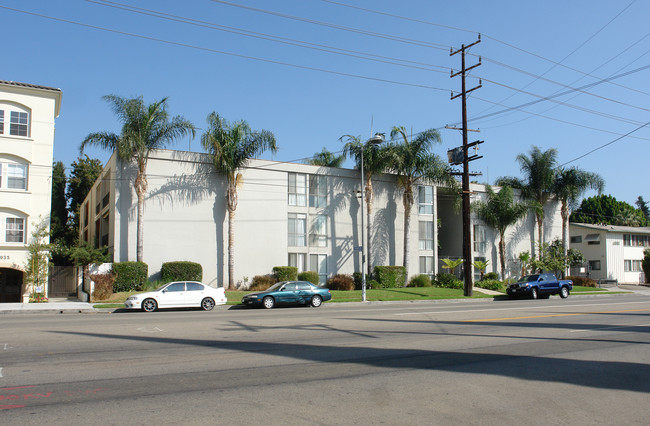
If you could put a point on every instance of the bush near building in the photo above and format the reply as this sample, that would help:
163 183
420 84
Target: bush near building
285 273
340 282
181 271
582 281
422 280
447 280
309 276
262 282
390 276
494 285
645 264
130 276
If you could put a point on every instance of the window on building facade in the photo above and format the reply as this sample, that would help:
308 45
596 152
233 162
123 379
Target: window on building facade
425 200
298 260
2 122
592 239
426 235
318 263
297 230
317 191
576 240
18 123
297 189
631 240
426 265
633 266
318 231
15 230
594 265
13 176
480 238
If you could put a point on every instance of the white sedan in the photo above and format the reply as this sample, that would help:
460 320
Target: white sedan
178 294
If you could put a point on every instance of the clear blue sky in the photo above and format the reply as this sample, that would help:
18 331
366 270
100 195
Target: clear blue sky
310 96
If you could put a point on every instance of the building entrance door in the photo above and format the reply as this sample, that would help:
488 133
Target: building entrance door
11 284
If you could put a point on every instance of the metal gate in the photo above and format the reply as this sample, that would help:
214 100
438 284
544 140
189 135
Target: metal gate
62 281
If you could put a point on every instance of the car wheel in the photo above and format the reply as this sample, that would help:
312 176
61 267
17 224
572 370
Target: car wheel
268 302
207 304
534 293
149 305
564 292
316 301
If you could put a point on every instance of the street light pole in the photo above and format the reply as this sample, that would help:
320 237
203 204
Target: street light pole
375 140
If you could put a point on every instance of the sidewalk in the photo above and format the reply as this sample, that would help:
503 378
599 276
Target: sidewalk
56 306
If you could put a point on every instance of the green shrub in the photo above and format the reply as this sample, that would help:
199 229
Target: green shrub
645 264
447 280
262 282
372 284
358 280
129 276
181 271
341 282
494 285
490 276
582 281
309 276
390 276
285 273
421 280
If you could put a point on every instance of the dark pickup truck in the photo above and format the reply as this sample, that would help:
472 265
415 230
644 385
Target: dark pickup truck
540 286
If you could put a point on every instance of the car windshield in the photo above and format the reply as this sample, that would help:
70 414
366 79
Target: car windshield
161 287
276 286
528 278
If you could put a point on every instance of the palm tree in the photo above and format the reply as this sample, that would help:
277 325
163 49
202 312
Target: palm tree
232 145
538 184
375 160
144 128
500 211
326 159
414 163
570 184
452 264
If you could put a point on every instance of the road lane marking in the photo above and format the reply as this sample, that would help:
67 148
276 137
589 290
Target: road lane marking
557 315
512 309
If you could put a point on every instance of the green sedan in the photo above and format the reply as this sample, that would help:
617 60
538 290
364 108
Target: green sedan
288 293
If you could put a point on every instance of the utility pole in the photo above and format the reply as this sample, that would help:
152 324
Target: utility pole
467 243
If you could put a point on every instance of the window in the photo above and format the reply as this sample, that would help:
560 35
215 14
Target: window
576 240
192 286
297 230
297 189
594 265
2 122
633 266
15 230
13 176
425 200
176 287
18 123
298 260
480 243
636 240
318 263
318 232
426 235
426 265
592 239
317 191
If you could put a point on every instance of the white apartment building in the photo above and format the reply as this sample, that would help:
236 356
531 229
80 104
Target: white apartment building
27 114
612 252
288 214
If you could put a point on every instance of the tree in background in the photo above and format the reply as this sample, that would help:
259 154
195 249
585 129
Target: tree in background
645 264
144 128
570 184
500 211
36 267
606 210
326 159
375 161
59 208
232 146
84 171
414 163
555 259
451 264
537 186
643 206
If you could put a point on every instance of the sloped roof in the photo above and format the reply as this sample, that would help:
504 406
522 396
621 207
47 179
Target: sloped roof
32 86
614 228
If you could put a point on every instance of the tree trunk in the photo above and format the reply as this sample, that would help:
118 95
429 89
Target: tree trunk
408 204
231 202
140 190
565 220
540 242
502 254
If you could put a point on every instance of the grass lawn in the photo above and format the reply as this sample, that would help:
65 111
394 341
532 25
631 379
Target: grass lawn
384 294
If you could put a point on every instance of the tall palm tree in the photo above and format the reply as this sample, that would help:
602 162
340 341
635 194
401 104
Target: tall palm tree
327 159
144 128
414 163
538 183
232 145
375 161
500 211
571 184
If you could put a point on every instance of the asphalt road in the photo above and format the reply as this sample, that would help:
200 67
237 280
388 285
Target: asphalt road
579 361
